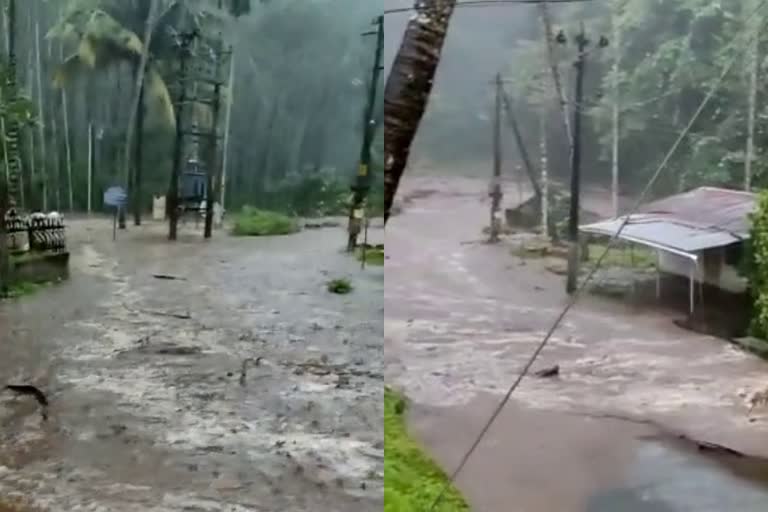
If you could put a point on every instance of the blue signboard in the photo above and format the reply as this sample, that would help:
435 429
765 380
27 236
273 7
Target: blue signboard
115 196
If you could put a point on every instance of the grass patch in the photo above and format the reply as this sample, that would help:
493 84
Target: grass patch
340 286
413 480
24 289
637 257
373 255
255 222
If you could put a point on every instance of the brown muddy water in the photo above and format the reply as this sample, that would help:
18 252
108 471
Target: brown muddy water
147 409
462 319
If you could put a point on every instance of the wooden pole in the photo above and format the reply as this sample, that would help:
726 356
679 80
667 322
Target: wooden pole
544 175
512 121
495 189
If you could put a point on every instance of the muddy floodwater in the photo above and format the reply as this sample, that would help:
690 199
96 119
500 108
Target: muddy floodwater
149 410
462 319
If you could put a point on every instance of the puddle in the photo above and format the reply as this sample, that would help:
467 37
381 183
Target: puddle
664 477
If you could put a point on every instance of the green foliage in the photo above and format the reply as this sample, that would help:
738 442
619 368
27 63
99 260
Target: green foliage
756 266
670 54
311 196
373 255
340 286
108 33
254 222
413 480
24 289
320 194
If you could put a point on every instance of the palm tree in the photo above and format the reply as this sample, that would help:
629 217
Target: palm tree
409 85
107 33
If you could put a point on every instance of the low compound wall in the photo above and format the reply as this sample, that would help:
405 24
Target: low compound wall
40 267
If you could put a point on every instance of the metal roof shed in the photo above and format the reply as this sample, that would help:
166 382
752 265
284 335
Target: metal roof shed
686 224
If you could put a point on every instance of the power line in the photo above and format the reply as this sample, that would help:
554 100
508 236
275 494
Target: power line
491 3
598 264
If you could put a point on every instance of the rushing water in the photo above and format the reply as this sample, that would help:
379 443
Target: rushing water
663 478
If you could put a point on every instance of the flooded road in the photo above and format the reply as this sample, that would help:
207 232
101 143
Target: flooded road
463 317
148 411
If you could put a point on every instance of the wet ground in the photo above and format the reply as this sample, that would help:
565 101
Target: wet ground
148 411
462 318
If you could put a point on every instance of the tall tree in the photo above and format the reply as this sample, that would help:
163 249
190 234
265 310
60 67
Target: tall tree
753 60
409 85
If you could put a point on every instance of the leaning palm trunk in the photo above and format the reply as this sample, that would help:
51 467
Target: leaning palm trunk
408 87
137 100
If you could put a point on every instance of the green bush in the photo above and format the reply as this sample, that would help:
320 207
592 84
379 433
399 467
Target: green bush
756 267
254 222
340 286
412 479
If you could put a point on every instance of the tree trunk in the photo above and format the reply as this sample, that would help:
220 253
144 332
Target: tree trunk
615 113
67 142
55 107
31 138
41 123
137 104
138 158
408 88
228 132
5 182
754 70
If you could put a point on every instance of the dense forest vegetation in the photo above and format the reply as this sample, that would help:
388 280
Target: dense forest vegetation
662 58
290 141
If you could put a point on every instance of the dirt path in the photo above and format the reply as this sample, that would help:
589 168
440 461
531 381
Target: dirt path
461 319
148 411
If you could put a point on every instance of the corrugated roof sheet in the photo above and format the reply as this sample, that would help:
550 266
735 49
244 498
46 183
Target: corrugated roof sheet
701 219
708 206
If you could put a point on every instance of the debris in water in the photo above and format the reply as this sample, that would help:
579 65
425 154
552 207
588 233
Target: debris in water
547 373
180 316
33 392
244 369
712 447
166 277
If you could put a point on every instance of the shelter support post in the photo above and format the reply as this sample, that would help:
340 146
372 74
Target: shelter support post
658 275
632 266
692 295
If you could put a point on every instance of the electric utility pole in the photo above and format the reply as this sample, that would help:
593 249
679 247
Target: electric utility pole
362 183
573 227
495 191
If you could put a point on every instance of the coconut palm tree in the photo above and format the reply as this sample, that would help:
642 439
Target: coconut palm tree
408 87
110 32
